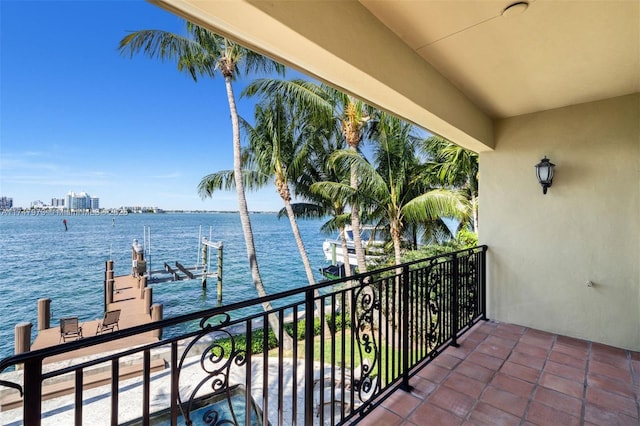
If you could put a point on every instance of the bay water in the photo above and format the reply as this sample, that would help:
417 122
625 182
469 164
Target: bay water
40 259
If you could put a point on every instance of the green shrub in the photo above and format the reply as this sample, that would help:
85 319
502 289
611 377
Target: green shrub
336 323
467 238
257 336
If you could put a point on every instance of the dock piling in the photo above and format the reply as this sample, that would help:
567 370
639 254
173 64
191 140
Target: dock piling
156 315
148 295
220 247
108 275
143 285
109 292
205 261
22 337
138 264
44 313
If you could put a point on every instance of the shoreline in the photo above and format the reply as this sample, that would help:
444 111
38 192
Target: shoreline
41 212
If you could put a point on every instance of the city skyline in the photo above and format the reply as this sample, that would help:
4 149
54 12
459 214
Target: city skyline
61 203
76 113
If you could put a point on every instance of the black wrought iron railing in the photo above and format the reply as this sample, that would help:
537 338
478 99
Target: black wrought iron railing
319 355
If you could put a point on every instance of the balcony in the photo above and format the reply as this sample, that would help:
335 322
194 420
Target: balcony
512 375
398 344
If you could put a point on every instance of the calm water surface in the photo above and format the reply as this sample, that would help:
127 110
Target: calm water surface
39 259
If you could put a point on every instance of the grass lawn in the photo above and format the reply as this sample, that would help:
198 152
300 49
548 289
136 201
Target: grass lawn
336 341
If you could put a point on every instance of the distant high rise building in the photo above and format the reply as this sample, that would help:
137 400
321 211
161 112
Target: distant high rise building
6 203
81 201
57 202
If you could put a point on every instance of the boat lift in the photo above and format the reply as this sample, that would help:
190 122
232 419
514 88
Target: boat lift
141 263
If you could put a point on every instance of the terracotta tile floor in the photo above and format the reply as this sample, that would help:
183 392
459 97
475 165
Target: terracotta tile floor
503 374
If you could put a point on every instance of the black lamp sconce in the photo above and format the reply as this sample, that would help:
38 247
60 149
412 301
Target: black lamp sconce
544 172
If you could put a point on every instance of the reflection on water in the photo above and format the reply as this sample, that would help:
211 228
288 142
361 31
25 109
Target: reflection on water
215 409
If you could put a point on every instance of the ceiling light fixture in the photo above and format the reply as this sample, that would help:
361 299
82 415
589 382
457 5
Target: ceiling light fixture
515 9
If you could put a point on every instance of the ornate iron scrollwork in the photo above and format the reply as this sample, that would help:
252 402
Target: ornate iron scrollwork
367 303
216 361
212 417
433 291
468 295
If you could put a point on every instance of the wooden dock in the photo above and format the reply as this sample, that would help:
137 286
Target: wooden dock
127 298
133 312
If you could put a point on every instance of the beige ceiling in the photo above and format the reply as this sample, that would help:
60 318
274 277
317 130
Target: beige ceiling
450 66
555 53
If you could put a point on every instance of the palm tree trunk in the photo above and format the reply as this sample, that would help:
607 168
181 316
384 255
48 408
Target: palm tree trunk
299 242
346 304
306 263
287 342
395 236
474 208
345 251
395 304
355 226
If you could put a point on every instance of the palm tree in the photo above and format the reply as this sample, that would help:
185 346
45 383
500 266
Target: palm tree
457 167
351 114
280 151
280 144
324 138
354 118
202 53
392 186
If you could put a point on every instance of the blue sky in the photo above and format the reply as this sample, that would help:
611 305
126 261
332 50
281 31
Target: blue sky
76 115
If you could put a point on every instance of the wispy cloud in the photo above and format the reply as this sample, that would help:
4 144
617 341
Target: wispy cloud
48 181
9 162
34 154
173 175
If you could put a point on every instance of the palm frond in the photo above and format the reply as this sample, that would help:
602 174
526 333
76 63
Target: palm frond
434 204
188 54
334 224
334 190
224 181
304 211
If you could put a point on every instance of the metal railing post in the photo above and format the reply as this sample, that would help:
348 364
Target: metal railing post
146 387
308 358
405 329
483 282
455 278
174 383
115 396
32 402
78 397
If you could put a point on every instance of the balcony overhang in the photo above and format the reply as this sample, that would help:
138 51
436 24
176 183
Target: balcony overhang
344 45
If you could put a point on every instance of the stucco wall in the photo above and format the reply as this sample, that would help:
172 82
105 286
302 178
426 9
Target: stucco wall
544 248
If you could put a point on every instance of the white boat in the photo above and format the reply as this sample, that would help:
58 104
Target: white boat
371 242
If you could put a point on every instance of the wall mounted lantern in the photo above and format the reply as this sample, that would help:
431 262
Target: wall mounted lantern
544 171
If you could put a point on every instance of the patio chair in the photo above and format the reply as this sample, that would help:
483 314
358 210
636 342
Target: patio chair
70 328
109 322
